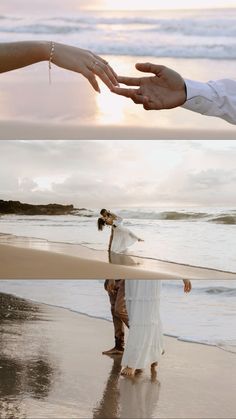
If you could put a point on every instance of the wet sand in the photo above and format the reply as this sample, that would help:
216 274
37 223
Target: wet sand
22 130
31 258
51 366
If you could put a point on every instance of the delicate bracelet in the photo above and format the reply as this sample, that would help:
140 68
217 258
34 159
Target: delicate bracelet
50 61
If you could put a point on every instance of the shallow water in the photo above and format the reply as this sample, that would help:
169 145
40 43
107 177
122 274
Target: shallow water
194 237
206 315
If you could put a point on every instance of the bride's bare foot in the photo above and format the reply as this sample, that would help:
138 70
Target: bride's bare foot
113 351
154 366
128 372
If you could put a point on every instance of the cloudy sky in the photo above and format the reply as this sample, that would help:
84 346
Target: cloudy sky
55 6
96 174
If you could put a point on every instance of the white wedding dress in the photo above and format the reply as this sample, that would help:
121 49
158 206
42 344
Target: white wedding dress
145 341
122 237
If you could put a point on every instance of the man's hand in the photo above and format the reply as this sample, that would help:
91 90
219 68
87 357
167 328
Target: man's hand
187 285
165 90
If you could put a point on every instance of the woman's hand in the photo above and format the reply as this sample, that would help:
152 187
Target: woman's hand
85 62
20 54
187 285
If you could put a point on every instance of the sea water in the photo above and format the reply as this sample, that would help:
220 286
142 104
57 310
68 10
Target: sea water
191 34
207 315
202 237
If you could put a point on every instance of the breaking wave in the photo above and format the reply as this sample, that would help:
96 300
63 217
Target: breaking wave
191 35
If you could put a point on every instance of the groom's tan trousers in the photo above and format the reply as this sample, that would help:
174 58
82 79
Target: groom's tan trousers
119 312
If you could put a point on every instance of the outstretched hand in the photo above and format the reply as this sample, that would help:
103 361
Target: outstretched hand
165 90
85 62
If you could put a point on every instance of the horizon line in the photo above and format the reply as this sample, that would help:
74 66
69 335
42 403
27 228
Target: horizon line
151 10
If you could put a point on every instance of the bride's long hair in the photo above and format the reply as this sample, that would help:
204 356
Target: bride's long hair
101 223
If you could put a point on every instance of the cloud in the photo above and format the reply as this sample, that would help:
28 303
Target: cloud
119 173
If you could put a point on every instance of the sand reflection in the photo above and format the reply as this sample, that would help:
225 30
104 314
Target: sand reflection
128 398
123 259
25 367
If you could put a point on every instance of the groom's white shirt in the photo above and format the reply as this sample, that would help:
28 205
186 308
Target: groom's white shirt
118 221
214 98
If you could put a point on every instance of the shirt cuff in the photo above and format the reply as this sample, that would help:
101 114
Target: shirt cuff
200 96
197 88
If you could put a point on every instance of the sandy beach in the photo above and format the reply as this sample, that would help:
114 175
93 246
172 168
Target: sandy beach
58 371
23 130
29 258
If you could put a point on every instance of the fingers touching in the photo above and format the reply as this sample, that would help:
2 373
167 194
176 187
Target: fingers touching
100 67
122 91
129 81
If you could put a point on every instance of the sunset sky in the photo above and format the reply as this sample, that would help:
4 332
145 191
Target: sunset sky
155 5
57 6
122 173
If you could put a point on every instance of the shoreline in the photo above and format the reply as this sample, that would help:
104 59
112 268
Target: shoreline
90 316
41 259
25 130
61 375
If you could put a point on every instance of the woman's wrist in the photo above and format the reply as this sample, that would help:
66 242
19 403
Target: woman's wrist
44 48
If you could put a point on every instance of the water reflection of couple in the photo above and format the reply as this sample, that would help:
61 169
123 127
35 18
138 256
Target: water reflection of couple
121 237
136 303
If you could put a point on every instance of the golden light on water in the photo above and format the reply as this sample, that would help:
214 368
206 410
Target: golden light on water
110 110
156 5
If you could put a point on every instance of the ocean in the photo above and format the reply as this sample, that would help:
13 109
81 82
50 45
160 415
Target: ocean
203 237
192 34
207 315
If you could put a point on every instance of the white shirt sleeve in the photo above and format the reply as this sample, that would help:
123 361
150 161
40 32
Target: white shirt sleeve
215 98
118 221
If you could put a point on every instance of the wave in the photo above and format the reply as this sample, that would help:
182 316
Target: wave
181 215
222 287
226 291
85 216
186 26
212 36
224 219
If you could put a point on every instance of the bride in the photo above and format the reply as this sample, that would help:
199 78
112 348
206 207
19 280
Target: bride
144 346
121 237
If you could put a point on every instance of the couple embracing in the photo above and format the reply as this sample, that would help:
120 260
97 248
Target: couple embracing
121 237
136 304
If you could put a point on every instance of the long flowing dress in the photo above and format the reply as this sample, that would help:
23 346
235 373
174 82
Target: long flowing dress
145 341
122 238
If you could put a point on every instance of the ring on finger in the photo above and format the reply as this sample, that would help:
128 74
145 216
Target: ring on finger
94 65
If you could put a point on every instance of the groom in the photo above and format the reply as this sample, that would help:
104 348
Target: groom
116 292
107 214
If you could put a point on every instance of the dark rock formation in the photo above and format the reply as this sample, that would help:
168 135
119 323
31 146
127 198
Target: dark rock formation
16 207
